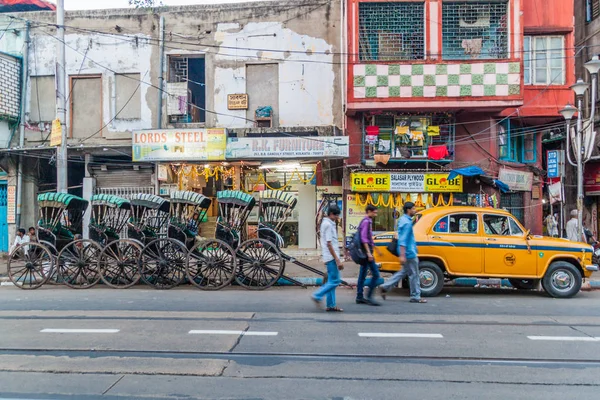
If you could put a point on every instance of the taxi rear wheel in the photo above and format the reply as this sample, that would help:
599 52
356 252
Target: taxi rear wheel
432 279
562 280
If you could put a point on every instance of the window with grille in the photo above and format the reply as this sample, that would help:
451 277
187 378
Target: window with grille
391 31
544 60
592 10
516 143
474 30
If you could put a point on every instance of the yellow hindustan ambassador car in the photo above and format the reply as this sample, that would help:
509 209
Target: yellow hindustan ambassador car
456 242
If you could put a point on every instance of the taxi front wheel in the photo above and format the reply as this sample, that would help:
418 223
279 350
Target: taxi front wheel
432 279
562 280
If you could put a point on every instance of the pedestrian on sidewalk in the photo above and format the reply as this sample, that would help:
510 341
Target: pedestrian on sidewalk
365 229
573 228
331 257
407 249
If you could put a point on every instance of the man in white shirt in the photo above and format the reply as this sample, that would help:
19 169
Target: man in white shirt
573 229
331 257
20 239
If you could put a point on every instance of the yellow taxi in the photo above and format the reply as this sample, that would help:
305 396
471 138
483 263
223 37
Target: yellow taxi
475 242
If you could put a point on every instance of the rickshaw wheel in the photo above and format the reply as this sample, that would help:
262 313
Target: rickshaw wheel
119 263
260 264
78 266
163 263
211 265
51 272
29 265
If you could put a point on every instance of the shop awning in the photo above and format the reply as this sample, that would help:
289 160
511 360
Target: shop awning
474 171
466 171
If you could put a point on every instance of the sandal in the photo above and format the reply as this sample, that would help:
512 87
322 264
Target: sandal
418 301
334 309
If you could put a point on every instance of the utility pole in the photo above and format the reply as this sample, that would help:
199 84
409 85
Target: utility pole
61 101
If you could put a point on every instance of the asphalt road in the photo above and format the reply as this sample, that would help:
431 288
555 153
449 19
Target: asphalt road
58 343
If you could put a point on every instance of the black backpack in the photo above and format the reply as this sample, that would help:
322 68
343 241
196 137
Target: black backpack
357 252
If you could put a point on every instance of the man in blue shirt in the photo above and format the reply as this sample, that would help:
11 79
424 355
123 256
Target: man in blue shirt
408 257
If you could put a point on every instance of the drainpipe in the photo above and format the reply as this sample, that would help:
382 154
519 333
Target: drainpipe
161 70
161 86
24 83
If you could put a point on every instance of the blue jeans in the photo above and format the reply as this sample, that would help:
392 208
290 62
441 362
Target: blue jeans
362 276
334 279
410 269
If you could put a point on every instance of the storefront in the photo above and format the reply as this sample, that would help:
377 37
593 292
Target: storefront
290 164
389 190
207 161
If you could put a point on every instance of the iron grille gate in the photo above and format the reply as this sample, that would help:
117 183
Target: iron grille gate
513 202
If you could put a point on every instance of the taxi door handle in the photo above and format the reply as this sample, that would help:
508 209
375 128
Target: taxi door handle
436 237
491 240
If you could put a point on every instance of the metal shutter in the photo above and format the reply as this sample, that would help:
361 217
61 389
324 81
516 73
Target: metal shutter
513 202
123 181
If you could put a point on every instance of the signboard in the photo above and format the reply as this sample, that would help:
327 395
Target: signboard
555 162
237 101
555 193
179 145
370 182
591 179
406 182
278 148
163 173
516 180
354 214
11 204
56 133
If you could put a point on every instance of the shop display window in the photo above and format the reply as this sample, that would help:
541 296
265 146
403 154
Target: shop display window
409 137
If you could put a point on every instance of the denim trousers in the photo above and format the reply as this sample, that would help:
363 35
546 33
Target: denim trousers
334 279
410 269
362 276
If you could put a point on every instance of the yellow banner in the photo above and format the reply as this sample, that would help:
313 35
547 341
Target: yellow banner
438 183
56 133
370 182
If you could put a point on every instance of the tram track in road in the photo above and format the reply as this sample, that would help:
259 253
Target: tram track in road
275 358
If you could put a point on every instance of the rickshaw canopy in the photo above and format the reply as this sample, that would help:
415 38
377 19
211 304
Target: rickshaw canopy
62 200
236 198
150 201
110 201
190 198
278 198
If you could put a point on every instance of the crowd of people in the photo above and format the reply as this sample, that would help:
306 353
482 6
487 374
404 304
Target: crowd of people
406 250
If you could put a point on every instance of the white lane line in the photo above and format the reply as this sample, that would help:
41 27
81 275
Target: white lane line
566 338
79 330
402 335
242 333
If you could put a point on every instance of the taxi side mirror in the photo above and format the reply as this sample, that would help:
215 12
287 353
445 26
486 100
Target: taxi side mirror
528 234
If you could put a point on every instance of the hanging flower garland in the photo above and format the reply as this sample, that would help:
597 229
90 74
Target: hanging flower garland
296 176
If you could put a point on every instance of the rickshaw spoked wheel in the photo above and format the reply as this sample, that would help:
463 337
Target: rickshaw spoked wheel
78 266
260 264
211 265
30 265
120 263
163 263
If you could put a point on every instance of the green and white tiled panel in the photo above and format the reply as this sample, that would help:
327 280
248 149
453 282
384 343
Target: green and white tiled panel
437 80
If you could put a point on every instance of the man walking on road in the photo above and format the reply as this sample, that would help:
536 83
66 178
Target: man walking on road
408 257
365 230
331 257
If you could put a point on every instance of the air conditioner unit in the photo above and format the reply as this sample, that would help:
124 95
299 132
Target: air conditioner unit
474 17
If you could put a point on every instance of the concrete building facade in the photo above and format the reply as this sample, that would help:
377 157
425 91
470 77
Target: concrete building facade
284 58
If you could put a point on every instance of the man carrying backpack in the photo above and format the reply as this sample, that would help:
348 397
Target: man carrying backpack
407 250
365 230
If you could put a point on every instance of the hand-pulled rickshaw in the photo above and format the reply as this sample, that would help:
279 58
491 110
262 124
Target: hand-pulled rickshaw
59 253
119 259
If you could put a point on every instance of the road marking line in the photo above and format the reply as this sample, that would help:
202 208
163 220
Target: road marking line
402 335
242 333
566 338
79 330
